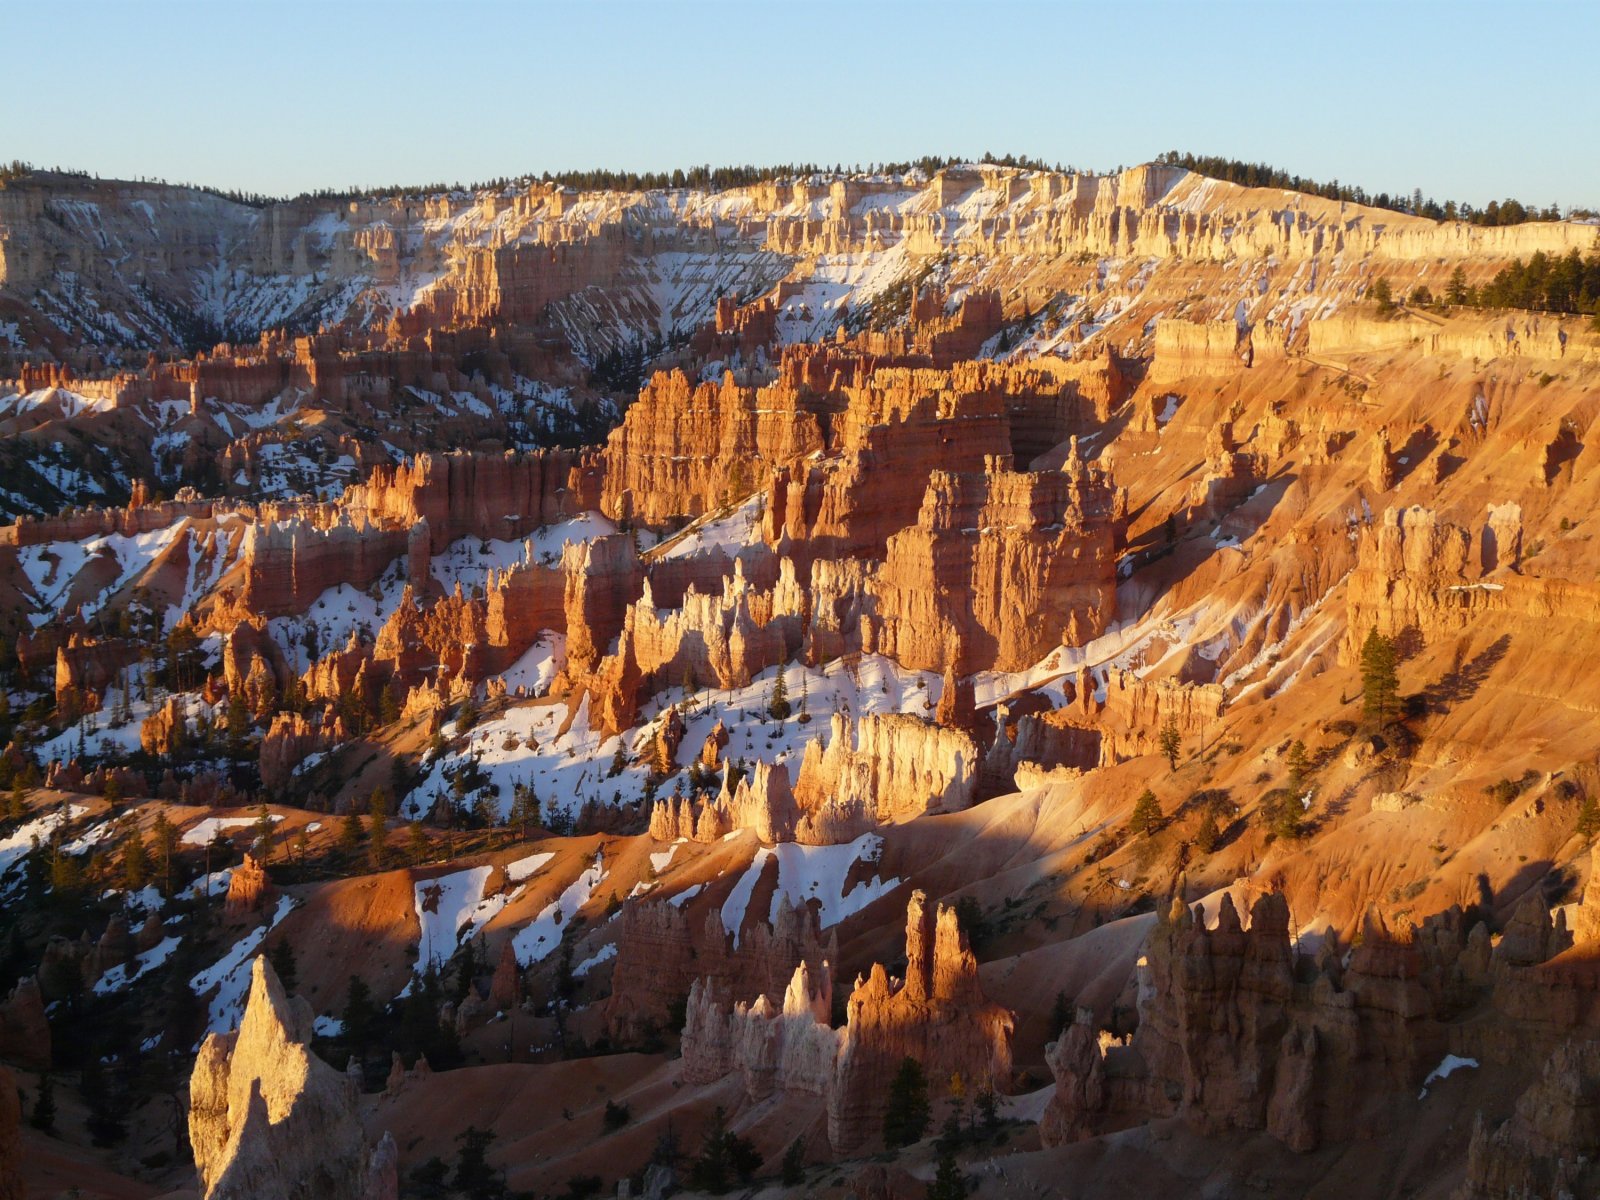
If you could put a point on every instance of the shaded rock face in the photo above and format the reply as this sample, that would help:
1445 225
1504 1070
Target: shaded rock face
24 1028
938 1015
1551 1144
249 889
268 1120
662 952
1239 1032
782 1042
11 1187
288 742
1232 1037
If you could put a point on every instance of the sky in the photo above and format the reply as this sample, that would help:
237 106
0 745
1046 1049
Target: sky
1466 100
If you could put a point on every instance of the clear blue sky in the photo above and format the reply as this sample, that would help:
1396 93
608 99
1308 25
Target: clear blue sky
1464 99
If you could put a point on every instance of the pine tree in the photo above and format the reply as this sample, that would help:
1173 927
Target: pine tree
416 843
164 841
43 1116
1380 680
1206 835
474 1173
350 834
1061 1015
989 1109
265 833
905 1117
1171 743
948 1182
135 862
378 846
1299 764
1382 295
778 706
1146 813
793 1167
360 1015
238 723
1588 819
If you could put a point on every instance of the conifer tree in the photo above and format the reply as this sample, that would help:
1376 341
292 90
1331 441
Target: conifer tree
1146 813
1380 680
43 1116
416 843
778 706
350 834
135 862
1588 818
164 842
283 962
1171 743
905 1117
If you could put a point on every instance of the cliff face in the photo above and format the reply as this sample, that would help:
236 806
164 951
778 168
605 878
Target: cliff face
683 450
10 1138
1239 1032
662 953
268 1120
525 252
1007 566
882 768
1549 1146
937 1014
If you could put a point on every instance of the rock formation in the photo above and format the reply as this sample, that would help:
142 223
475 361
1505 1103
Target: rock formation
1004 564
249 889
881 768
938 1015
268 1120
662 952
11 1187
24 1027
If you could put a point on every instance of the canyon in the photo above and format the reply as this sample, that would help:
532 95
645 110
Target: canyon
1058 631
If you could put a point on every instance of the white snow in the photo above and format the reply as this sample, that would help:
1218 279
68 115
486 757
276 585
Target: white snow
19 843
525 743
212 885
689 893
207 830
230 974
539 665
535 941
524 868
444 906
807 873
605 954
724 530
1450 1064
121 976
